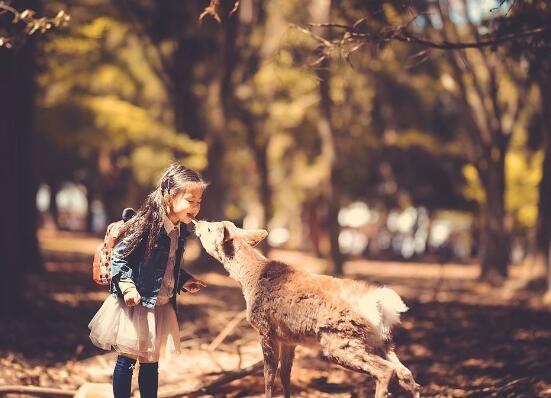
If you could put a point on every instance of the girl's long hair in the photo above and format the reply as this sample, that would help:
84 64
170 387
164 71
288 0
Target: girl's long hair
148 221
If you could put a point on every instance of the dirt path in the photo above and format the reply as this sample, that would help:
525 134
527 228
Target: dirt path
460 338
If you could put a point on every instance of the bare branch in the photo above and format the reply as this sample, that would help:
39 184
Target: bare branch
315 36
402 34
214 8
484 42
234 9
9 35
227 330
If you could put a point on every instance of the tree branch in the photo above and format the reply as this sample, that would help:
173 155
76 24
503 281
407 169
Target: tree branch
31 24
402 34
213 9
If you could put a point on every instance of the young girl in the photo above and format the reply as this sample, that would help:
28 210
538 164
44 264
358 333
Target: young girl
138 318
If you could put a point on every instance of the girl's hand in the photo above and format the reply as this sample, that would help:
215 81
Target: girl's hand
132 297
194 285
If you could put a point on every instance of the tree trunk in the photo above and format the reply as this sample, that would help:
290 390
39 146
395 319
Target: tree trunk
114 185
214 202
312 219
251 18
216 116
543 232
90 195
543 226
54 210
10 288
259 147
333 223
19 246
260 153
185 104
261 157
320 11
496 239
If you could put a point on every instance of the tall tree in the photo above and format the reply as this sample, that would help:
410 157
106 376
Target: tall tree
527 15
543 226
196 54
320 11
19 245
478 77
494 120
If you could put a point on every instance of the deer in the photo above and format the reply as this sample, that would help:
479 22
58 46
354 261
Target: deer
351 321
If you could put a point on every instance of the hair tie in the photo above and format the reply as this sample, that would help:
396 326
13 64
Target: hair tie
168 186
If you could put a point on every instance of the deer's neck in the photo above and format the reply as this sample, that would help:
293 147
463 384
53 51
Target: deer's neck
246 267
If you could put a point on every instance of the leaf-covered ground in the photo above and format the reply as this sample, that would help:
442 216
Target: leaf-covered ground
460 338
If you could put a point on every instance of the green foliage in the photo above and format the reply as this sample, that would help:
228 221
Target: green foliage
101 94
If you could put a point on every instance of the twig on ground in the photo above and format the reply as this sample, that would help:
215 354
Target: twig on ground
240 356
220 381
227 330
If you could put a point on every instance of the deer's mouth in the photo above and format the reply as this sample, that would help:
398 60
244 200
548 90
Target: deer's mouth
193 219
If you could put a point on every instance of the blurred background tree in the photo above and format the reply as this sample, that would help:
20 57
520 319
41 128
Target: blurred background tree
19 25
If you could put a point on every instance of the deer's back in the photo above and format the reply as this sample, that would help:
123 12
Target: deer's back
298 306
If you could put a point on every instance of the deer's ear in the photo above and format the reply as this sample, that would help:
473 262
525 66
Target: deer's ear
227 234
254 236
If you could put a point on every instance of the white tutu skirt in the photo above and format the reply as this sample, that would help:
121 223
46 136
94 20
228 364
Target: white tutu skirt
144 333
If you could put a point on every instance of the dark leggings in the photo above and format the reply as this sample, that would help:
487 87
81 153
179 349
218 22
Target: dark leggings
148 378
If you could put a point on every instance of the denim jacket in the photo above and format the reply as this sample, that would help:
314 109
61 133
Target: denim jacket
148 272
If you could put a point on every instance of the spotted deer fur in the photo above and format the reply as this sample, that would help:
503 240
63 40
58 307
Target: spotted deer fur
351 321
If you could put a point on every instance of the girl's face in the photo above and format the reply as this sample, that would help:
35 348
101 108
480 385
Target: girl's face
185 203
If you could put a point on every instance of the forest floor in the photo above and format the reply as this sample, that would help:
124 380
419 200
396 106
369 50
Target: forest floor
460 338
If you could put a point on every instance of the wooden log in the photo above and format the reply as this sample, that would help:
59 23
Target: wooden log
38 391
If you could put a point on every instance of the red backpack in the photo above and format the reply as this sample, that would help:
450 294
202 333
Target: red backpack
101 267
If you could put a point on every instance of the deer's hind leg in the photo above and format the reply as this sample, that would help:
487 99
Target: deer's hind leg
287 354
270 349
405 378
351 354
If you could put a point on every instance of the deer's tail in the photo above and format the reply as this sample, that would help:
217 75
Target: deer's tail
391 305
382 307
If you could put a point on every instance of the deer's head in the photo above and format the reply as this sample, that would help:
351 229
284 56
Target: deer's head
222 239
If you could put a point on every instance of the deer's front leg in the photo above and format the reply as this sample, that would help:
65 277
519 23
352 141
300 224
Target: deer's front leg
270 349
